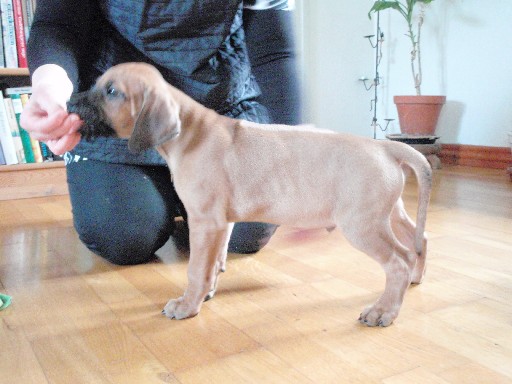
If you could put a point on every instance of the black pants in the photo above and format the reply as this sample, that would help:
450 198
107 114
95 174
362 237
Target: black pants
125 213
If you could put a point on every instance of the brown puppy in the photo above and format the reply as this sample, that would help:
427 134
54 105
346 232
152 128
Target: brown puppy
226 170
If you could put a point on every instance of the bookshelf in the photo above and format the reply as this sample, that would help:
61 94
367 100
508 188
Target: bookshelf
21 181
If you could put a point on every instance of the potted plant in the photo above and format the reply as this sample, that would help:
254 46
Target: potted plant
417 114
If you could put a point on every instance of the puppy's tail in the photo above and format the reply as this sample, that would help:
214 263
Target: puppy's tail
407 155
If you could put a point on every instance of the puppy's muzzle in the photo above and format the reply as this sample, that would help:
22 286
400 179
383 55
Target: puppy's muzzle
95 123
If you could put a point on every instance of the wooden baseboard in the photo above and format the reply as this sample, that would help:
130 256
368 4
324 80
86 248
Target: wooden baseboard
476 156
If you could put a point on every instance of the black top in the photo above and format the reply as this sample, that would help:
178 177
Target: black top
199 46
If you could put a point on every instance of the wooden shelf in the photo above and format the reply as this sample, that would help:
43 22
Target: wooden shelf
21 181
31 166
14 72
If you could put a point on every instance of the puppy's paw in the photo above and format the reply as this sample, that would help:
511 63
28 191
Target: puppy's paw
377 316
180 309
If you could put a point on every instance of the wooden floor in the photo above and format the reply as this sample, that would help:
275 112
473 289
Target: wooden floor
285 315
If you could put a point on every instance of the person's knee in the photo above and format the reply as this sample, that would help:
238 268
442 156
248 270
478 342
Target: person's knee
121 247
127 215
250 238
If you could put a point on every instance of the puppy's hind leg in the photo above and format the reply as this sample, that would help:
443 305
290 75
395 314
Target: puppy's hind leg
404 229
378 241
206 244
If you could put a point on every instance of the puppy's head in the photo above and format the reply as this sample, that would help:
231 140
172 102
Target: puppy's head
130 101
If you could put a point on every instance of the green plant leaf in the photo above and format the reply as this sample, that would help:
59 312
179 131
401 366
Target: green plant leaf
382 5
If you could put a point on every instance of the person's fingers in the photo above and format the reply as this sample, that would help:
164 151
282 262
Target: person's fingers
64 144
44 127
74 122
41 125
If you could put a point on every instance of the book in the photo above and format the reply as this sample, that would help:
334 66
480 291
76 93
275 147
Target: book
2 56
9 34
17 90
25 137
2 158
19 29
25 5
36 148
29 7
15 132
6 138
46 154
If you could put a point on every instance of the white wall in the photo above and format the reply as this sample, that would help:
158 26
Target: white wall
335 55
467 56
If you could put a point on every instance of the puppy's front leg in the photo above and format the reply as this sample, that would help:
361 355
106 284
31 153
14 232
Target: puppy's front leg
206 245
220 265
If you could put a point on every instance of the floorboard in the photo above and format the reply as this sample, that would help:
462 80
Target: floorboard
286 314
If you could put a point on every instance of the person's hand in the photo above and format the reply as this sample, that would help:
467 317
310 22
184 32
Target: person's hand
45 116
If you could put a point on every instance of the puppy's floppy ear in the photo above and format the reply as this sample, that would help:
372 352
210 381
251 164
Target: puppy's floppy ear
158 121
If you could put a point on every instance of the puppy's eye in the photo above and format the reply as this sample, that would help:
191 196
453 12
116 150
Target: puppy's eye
112 92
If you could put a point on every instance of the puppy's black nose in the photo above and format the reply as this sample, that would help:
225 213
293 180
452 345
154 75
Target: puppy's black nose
77 102
95 123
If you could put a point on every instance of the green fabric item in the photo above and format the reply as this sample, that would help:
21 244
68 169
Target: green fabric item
5 301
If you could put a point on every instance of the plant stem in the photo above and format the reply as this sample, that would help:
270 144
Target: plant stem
414 53
419 78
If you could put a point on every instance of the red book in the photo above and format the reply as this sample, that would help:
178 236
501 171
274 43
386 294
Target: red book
21 42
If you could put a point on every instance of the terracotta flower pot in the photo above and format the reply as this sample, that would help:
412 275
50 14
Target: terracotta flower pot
418 115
